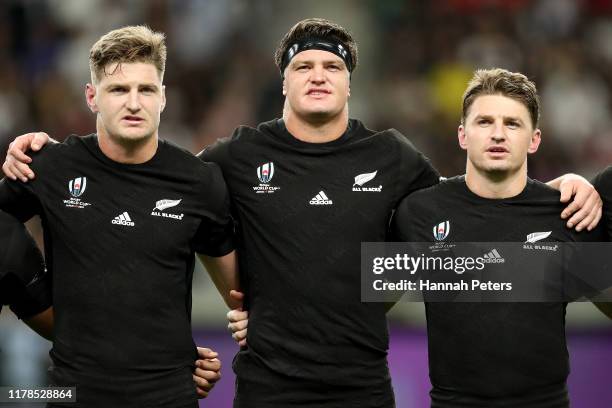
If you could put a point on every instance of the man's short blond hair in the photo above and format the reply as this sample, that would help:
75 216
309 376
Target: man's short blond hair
127 44
503 82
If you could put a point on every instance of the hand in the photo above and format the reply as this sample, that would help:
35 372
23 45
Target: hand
207 371
238 320
16 163
585 209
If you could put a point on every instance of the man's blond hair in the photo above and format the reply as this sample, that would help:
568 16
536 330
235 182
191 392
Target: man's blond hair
503 82
127 44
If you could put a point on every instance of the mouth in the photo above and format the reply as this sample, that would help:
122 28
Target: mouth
132 120
497 150
318 92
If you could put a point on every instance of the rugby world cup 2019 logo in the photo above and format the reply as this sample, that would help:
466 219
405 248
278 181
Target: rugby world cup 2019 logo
441 231
265 172
77 186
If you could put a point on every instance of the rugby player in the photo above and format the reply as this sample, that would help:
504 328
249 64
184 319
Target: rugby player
123 214
494 354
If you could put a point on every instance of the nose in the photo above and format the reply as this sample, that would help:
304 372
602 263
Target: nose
498 134
317 74
133 102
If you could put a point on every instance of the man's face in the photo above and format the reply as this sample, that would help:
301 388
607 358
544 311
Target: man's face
316 85
128 101
498 134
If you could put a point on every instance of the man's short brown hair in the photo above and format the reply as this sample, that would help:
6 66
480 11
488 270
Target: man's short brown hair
128 44
316 28
503 82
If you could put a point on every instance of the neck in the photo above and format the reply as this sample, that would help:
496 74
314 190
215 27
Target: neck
491 184
315 130
126 151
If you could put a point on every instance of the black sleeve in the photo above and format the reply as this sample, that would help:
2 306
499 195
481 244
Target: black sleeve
588 273
26 286
215 234
18 199
416 170
603 185
403 221
218 152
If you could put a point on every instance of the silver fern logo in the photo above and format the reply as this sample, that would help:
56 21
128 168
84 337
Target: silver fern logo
537 236
162 205
361 179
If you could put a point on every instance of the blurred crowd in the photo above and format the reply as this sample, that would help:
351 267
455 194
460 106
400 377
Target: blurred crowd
415 60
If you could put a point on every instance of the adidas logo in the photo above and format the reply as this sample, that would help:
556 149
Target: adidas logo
123 219
321 199
493 257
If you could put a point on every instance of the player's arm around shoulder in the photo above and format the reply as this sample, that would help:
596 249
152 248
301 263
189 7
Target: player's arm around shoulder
585 205
17 162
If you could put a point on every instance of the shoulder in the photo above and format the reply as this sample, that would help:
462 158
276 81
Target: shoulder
443 191
603 181
543 194
223 148
394 138
185 161
51 152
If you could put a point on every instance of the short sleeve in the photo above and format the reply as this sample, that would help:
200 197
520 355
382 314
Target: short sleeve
402 221
18 199
26 286
416 170
214 236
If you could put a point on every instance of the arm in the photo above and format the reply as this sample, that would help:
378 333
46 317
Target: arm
223 271
42 323
16 163
585 209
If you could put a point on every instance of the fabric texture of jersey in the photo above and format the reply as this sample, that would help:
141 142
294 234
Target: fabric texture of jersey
302 210
24 284
120 242
603 184
492 354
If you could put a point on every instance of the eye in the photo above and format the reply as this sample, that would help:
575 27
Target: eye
333 67
513 125
483 122
301 68
117 89
147 90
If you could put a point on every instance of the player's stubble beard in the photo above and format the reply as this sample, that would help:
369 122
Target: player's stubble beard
129 144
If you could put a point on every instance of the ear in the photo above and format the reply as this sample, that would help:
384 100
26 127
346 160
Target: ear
536 138
284 86
462 137
163 95
90 97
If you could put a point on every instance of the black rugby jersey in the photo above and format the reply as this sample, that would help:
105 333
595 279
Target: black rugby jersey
120 241
492 354
302 211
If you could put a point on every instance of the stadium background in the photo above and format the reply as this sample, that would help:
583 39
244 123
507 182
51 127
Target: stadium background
415 60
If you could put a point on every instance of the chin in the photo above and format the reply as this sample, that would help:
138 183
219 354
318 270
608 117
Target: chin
320 114
133 137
